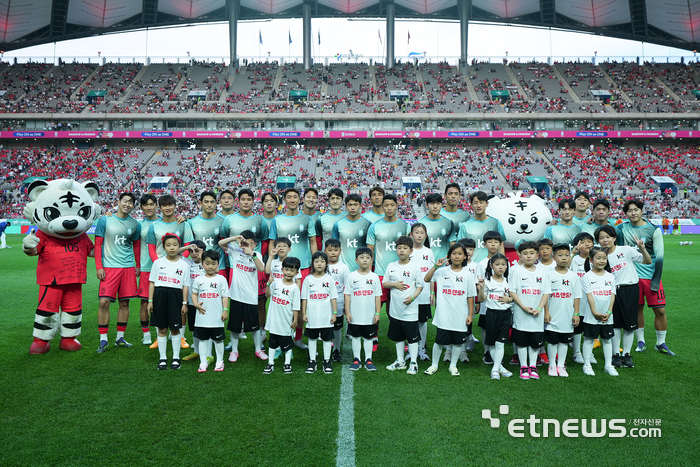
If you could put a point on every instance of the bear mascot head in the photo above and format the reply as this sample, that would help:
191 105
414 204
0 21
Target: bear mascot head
63 211
521 218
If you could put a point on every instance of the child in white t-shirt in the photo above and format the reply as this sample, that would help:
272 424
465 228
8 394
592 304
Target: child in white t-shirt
210 298
454 304
424 258
583 242
319 309
339 272
196 248
283 314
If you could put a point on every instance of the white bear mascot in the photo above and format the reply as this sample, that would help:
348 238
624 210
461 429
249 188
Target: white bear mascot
63 210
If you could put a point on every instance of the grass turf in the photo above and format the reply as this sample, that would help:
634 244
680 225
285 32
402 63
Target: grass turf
84 408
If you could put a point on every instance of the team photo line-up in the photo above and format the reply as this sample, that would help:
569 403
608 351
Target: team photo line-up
584 284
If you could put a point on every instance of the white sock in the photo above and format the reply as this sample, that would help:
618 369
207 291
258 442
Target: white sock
271 356
522 355
257 340
616 338
337 338
639 332
487 348
552 354
176 341
400 351
587 350
577 343
196 345
627 339
204 347
533 355
368 344
499 349
234 342
219 348
455 352
423 328
287 357
327 346
437 351
607 351
541 350
562 350
120 334
356 347
162 346
313 344
660 337
413 352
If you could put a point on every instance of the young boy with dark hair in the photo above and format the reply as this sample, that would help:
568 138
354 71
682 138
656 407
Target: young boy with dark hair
283 314
339 272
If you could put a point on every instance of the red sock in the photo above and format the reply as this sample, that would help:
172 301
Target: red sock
121 327
103 328
297 336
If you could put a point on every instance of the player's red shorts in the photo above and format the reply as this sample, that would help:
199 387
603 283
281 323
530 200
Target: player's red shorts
119 282
66 297
385 292
653 299
262 283
143 285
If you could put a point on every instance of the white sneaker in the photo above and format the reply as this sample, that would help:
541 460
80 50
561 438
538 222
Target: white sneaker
242 335
453 371
463 357
495 375
588 370
423 355
593 360
412 368
300 345
611 371
578 358
146 339
505 373
448 356
432 369
397 365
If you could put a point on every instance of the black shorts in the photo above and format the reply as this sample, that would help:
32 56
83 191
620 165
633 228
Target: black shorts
482 321
276 341
593 331
338 321
533 340
400 331
424 313
579 329
204 334
243 318
626 307
167 308
366 331
445 337
191 316
325 334
553 337
497 325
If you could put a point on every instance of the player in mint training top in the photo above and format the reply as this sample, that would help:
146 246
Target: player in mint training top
453 196
441 230
565 230
583 202
149 207
207 226
117 258
301 231
376 197
477 226
651 288
382 236
326 221
308 207
600 217
351 231
226 200
270 202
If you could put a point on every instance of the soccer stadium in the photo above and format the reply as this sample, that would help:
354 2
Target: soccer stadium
408 126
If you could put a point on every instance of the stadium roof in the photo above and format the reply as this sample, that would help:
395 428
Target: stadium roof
674 23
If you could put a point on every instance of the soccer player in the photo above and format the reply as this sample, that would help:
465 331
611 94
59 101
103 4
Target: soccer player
270 202
651 288
376 197
226 200
117 257
477 226
207 226
310 203
168 224
362 305
326 221
300 229
566 229
562 312
404 279
4 224
529 292
625 311
600 217
582 202
453 196
440 230
351 231
283 314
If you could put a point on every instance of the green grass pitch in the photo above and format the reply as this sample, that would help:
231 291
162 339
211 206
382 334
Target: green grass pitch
86 409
